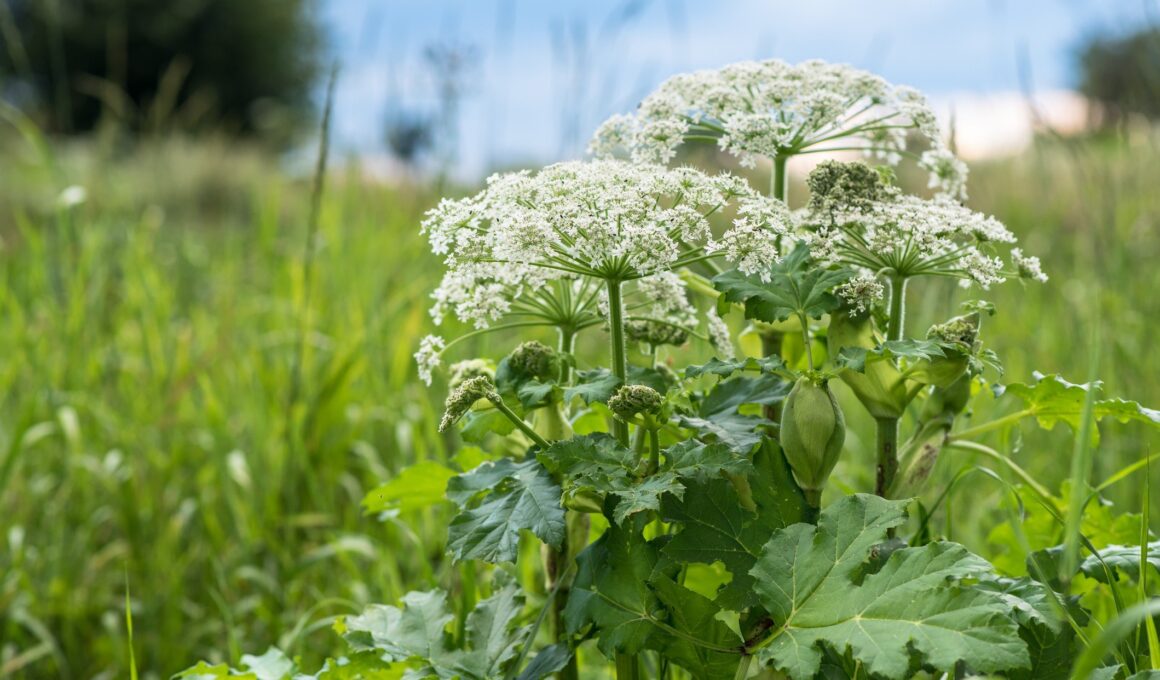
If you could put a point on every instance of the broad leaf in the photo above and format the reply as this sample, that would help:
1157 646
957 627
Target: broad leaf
855 358
1120 558
549 660
417 633
417 630
595 385
273 665
1051 399
716 526
415 488
719 417
611 592
597 463
724 369
499 500
797 286
811 580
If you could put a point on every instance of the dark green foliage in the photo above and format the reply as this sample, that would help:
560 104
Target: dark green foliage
243 66
1123 73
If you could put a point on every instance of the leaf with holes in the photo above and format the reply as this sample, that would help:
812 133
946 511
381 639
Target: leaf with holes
914 609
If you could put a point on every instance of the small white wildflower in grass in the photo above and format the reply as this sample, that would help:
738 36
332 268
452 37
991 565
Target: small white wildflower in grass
719 336
861 292
428 356
771 109
72 196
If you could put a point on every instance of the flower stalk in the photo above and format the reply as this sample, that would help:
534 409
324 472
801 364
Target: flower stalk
618 353
887 437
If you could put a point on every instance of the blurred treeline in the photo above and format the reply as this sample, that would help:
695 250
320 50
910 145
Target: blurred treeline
242 66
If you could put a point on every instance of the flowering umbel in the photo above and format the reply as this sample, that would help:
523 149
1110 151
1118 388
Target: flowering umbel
854 219
773 109
599 219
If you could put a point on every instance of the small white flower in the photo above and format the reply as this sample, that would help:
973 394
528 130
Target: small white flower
719 335
861 292
427 357
72 196
1028 266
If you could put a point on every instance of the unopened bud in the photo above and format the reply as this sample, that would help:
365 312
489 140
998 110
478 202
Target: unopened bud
462 398
813 430
463 371
535 360
630 400
655 333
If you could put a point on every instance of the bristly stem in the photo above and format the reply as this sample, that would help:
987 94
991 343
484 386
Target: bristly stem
806 340
887 444
619 356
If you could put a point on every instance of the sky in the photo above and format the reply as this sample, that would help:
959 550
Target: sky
540 75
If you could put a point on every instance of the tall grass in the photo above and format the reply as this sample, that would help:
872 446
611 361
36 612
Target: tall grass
150 335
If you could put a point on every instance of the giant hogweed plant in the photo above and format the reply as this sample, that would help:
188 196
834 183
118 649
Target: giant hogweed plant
679 507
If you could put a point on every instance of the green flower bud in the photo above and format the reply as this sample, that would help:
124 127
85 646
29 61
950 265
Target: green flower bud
630 400
844 185
962 334
535 360
463 371
462 398
654 332
813 430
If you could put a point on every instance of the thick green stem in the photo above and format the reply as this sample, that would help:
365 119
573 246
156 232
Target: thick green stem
743 668
806 340
887 447
887 454
566 347
627 667
771 347
654 450
778 179
619 356
897 308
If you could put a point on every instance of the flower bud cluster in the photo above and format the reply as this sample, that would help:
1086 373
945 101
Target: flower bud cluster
462 398
630 401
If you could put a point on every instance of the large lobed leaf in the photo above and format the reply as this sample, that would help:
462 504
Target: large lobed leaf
1051 399
499 500
729 522
812 581
417 633
597 463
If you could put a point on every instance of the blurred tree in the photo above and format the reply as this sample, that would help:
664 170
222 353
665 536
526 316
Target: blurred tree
1122 74
246 65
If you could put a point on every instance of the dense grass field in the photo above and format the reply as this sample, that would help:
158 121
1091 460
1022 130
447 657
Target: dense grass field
194 397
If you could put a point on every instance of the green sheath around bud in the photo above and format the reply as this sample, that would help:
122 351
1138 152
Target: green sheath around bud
813 430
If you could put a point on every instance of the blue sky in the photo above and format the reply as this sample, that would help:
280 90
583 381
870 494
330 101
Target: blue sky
546 72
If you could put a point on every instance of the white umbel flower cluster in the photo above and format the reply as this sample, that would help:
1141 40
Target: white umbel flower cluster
603 219
765 109
911 236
